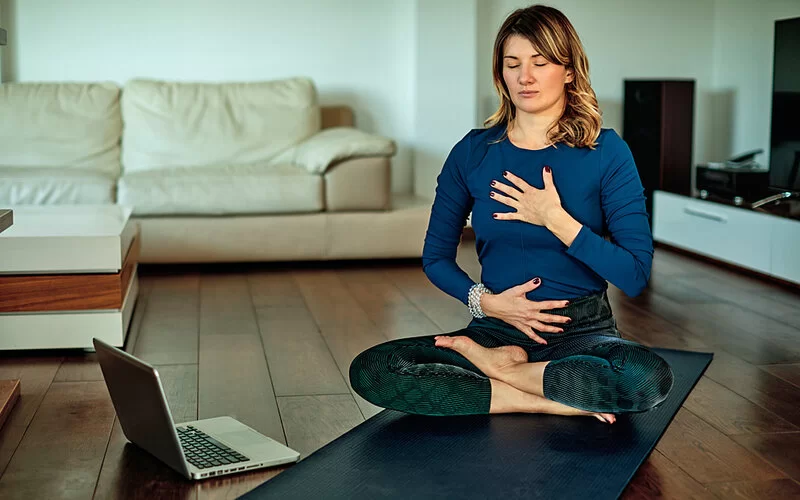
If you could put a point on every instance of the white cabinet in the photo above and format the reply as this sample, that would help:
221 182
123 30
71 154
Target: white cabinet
786 249
746 238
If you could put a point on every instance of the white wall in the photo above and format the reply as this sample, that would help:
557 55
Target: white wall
359 52
742 71
446 87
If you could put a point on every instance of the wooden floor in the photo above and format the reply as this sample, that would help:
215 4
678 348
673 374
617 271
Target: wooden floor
271 346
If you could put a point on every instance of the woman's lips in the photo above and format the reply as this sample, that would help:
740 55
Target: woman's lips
528 93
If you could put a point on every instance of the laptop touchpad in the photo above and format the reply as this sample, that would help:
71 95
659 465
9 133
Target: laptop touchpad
242 438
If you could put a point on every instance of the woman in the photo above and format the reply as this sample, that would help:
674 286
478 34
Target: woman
543 182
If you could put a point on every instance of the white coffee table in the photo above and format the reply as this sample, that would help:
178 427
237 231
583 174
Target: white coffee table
67 274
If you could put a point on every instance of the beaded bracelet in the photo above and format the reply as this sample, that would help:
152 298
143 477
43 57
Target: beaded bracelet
474 299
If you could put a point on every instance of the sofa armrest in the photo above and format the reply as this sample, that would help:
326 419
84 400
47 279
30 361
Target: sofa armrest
323 149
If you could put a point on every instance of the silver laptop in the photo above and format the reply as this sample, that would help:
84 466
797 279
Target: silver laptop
199 449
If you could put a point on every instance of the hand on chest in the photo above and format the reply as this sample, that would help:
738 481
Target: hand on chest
528 193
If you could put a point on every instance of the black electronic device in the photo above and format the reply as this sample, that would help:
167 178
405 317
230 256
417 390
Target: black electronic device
785 127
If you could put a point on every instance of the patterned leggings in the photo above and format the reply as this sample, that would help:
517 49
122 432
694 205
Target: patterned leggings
592 368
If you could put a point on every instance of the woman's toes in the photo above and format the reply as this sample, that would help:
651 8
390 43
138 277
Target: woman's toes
608 418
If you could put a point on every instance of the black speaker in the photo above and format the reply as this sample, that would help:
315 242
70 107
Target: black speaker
657 124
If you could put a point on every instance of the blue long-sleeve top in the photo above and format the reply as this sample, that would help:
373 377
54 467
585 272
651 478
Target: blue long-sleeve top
600 188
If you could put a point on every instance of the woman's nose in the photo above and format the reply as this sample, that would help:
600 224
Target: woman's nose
526 75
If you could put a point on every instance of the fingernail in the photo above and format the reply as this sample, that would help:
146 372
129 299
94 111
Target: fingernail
560 330
494 215
505 172
536 281
491 194
494 183
569 320
547 169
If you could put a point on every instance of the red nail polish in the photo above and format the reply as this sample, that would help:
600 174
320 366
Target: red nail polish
569 320
536 281
547 169
491 194
505 172
494 215
494 183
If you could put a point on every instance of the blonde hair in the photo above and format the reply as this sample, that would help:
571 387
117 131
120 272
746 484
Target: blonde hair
554 37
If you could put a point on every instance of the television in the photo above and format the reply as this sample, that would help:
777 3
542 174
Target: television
784 162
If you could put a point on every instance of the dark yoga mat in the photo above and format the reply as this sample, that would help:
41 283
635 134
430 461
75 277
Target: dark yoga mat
401 456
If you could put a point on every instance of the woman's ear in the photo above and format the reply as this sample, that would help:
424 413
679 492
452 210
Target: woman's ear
570 76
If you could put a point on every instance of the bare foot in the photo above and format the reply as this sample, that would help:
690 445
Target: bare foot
509 399
493 361
490 361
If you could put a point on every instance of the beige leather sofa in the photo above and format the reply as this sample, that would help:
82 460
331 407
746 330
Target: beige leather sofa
215 172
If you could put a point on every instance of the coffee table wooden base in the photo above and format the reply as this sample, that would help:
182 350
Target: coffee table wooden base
66 330
67 310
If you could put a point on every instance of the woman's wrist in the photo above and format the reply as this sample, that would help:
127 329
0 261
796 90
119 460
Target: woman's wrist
475 299
563 226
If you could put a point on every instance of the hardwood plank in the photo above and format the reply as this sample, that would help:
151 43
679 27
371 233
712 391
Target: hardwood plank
758 386
9 395
756 299
650 329
680 290
346 327
300 362
169 330
233 375
788 372
780 449
35 375
448 313
313 421
760 325
708 455
386 306
757 490
721 333
62 451
79 368
274 289
730 412
68 292
659 478
130 472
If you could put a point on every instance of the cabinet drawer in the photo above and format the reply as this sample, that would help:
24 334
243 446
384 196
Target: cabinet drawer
725 233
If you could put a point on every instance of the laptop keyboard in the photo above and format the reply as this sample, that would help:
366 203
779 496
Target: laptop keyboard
203 451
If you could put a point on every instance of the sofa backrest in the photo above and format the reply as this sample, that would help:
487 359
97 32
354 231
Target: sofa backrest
184 124
60 125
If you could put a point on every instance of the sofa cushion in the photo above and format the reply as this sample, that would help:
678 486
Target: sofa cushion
179 124
320 152
219 190
54 186
65 125
358 184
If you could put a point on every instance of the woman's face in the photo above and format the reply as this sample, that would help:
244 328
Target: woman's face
535 84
